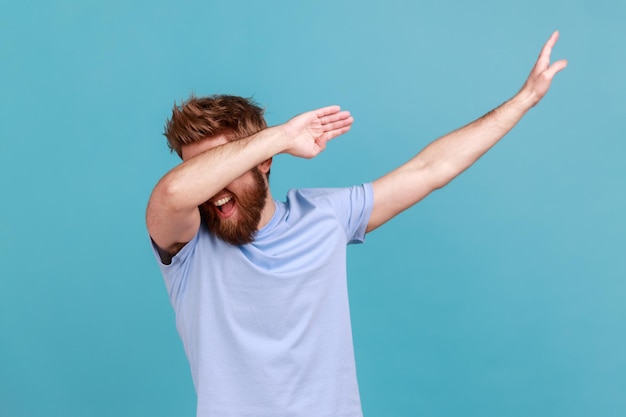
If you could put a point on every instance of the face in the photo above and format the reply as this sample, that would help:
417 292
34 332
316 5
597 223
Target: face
235 217
234 213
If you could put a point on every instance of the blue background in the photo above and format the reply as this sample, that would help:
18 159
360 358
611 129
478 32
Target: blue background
502 294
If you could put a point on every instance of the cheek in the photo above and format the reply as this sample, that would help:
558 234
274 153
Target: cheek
207 211
242 184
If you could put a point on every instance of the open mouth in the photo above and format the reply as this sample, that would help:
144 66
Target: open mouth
225 206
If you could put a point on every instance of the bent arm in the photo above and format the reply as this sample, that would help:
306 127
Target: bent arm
172 215
447 157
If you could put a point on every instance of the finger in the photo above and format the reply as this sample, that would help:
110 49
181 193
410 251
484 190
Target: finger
547 48
556 67
543 61
553 38
338 124
335 117
334 133
325 111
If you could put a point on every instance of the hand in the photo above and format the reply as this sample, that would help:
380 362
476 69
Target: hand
541 76
308 133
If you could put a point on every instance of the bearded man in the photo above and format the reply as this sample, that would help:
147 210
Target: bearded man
259 286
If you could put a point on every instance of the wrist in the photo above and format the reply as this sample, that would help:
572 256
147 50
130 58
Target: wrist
283 138
524 100
276 138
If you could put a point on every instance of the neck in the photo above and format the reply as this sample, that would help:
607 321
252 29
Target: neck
268 210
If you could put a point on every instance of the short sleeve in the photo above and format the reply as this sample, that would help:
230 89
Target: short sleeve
358 212
174 273
351 206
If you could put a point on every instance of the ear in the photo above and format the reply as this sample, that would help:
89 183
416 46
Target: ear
265 166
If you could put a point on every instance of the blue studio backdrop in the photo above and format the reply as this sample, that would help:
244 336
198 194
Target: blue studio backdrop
501 294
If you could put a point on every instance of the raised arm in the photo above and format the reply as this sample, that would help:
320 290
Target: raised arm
172 216
445 158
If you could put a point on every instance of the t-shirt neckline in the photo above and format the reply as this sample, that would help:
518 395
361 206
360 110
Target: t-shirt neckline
279 211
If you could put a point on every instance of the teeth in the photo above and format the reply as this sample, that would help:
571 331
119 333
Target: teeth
222 201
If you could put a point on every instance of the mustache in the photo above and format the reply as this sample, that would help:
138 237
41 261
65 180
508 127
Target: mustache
241 228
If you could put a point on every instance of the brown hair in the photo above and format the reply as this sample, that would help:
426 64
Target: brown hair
199 118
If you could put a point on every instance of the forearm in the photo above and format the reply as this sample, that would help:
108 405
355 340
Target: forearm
199 178
442 160
450 155
209 167
445 158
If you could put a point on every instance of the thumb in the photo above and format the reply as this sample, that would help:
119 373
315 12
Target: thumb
556 67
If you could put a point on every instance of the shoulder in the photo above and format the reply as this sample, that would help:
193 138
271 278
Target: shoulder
329 196
350 207
185 251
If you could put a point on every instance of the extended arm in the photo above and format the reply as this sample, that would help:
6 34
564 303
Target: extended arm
172 215
445 158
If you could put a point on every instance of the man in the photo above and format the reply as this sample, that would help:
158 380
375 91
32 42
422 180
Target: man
259 286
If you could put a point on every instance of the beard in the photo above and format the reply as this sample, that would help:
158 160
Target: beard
241 228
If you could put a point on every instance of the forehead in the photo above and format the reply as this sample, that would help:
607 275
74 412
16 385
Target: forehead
193 149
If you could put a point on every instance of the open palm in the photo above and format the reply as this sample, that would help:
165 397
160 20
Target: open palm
540 78
309 132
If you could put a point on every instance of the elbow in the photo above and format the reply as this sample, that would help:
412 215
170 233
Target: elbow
169 193
441 173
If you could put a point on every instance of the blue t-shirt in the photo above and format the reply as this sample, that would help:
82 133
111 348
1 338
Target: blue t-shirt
266 325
